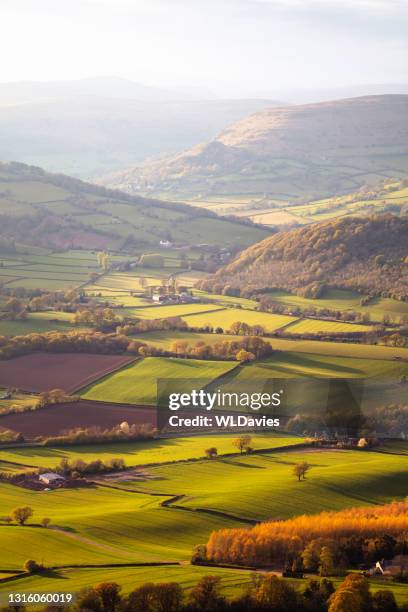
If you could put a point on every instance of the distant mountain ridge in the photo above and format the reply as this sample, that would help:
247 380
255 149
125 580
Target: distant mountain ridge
294 152
94 127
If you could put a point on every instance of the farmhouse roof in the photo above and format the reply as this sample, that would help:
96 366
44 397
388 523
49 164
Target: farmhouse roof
50 476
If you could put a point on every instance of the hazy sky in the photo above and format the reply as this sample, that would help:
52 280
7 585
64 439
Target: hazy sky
228 46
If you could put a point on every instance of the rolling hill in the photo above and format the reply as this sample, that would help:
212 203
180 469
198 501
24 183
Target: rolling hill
292 153
364 254
90 127
56 211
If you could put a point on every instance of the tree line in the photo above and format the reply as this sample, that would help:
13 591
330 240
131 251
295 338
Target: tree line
350 536
263 593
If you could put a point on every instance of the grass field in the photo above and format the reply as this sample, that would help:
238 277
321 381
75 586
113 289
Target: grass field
137 383
164 339
288 364
144 452
176 310
337 299
17 400
35 324
263 487
316 326
100 525
225 318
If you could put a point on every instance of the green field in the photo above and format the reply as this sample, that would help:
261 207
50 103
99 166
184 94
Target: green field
137 383
144 452
18 401
33 325
338 299
164 339
225 318
316 326
100 525
289 364
176 310
263 487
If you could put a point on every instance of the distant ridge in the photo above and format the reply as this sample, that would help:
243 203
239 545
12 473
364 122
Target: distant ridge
293 153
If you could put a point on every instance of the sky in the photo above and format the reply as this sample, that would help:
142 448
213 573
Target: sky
230 47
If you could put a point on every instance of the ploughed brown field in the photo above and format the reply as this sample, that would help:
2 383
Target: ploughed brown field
58 418
68 371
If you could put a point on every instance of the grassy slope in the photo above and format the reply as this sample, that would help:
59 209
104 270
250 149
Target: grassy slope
225 318
263 487
164 339
139 453
137 383
117 525
288 364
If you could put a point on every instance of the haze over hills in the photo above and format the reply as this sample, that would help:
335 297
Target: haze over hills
90 127
369 255
57 211
293 153
25 92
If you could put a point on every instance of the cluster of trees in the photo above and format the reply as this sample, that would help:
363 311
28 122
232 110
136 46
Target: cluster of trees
239 328
277 541
242 443
64 342
339 253
95 435
101 318
264 593
20 516
54 396
78 467
140 326
6 436
66 301
245 349
103 260
390 420
14 310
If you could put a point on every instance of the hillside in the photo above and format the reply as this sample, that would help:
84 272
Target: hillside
91 127
56 211
365 254
293 153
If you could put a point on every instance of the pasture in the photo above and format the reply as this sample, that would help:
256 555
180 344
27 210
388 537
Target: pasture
18 401
289 363
175 310
99 525
263 487
38 322
144 452
225 318
137 382
342 300
164 339
318 326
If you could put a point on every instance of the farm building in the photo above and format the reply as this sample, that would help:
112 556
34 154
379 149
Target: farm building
394 567
51 478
